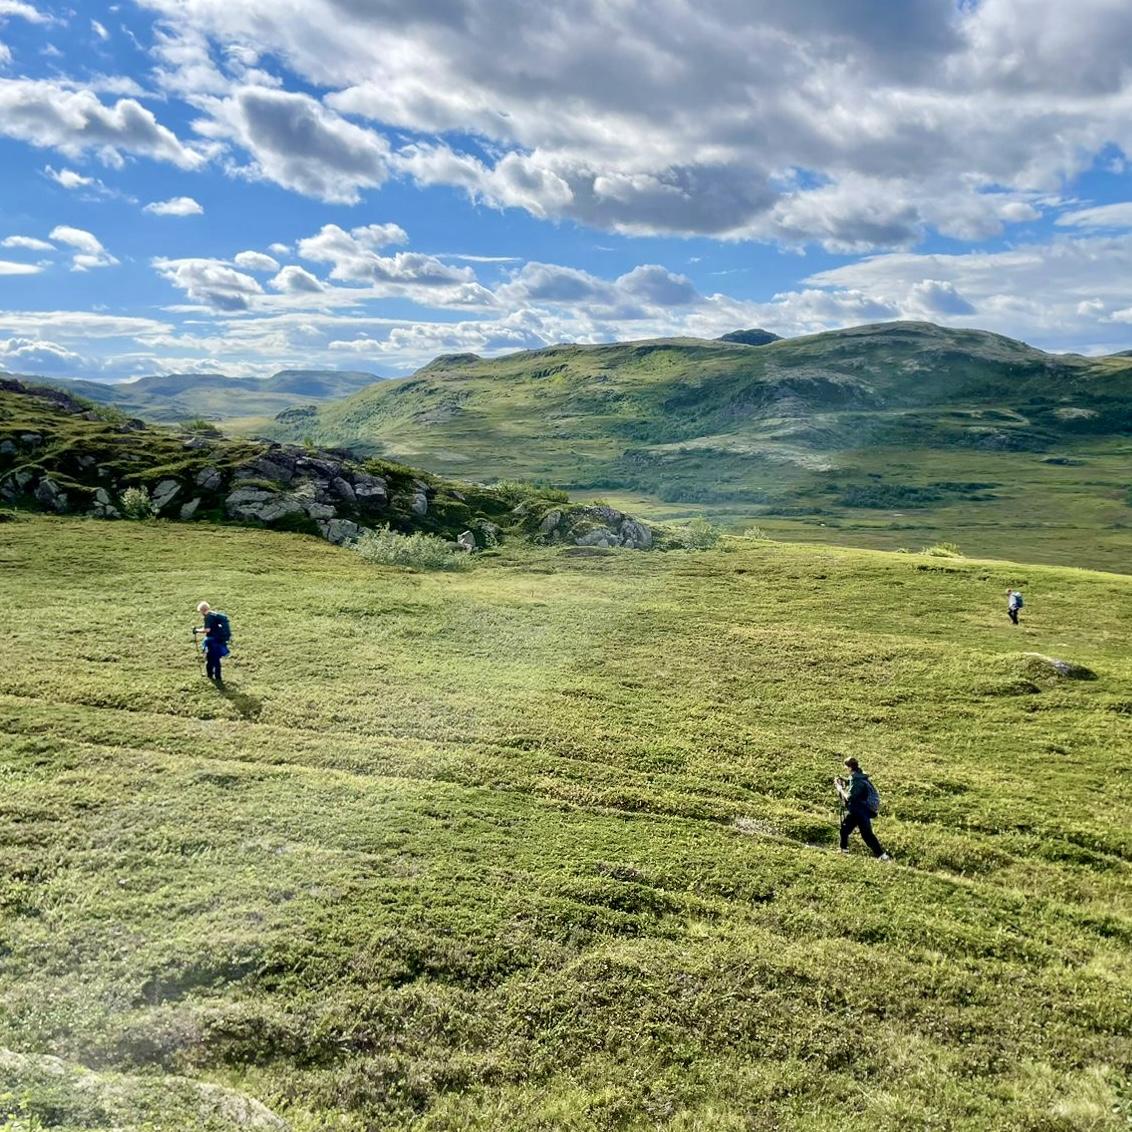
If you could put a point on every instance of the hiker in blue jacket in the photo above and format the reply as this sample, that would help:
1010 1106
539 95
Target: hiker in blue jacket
217 633
862 804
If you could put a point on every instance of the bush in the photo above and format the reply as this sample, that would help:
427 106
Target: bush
136 503
699 534
943 550
416 551
757 532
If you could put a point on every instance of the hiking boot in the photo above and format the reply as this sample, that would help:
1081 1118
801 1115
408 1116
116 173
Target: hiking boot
884 857
845 851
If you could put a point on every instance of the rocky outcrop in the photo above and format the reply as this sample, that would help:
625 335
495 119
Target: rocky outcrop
596 525
1038 665
81 463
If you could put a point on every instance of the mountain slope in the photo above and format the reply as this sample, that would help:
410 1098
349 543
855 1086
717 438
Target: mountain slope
213 396
857 427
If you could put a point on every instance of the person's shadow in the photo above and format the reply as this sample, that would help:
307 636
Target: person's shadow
248 706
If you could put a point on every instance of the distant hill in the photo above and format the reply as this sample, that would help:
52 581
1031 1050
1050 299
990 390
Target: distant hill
751 337
213 396
855 427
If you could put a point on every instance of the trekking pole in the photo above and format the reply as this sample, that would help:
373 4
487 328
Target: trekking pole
200 654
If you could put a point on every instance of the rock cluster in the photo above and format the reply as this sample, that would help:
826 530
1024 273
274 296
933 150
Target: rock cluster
594 525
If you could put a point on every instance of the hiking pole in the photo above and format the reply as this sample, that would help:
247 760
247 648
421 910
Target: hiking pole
200 653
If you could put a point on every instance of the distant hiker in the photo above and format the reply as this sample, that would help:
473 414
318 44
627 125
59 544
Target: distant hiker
862 804
217 633
1013 605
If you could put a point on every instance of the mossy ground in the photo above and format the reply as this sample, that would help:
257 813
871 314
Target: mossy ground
550 844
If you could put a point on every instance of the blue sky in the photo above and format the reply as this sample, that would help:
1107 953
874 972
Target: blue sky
248 185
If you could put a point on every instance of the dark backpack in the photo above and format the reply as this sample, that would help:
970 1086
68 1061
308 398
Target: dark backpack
872 799
1018 602
220 627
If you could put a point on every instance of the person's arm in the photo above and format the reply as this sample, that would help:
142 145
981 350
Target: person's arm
840 787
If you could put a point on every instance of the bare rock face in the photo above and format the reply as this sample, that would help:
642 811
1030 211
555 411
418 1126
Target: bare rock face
340 531
259 506
189 509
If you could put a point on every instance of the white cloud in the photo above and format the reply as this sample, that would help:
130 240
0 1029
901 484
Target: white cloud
68 178
210 281
789 120
99 30
255 261
175 206
279 249
89 252
296 280
50 115
1103 216
28 243
10 267
78 325
17 8
297 142
35 356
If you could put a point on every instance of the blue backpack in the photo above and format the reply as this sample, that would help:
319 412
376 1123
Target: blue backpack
872 799
1018 602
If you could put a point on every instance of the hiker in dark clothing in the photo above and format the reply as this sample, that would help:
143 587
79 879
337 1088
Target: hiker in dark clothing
1013 605
216 633
861 803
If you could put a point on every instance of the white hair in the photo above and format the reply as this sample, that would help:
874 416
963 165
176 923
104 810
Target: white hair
204 607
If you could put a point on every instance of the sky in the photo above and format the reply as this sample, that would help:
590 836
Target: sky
243 186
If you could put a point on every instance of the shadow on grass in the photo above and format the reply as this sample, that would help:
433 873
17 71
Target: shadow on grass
248 706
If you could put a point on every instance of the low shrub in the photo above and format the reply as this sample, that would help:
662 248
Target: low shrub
943 550
416 551
699 534
136 503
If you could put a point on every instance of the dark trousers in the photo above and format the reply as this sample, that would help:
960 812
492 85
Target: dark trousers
212 666
1013 613
851 822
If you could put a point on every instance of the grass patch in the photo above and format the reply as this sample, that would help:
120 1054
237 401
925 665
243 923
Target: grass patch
550 844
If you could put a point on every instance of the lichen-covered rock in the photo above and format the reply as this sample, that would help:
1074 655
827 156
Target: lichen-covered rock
1038 664
258 505
635 535
550 521
419 504
599 536
370 490
7 448
277 467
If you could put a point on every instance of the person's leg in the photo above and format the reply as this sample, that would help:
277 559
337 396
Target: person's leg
869 838
1013 615
848 824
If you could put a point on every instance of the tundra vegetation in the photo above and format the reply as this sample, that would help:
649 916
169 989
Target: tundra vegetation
550 844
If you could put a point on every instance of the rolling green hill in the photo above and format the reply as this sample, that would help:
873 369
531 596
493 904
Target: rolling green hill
550 845
890 435
245 401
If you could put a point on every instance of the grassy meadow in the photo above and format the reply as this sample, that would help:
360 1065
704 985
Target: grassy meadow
550 844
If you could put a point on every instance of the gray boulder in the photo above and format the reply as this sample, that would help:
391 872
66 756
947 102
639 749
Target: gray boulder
1037 664
339 531
258 505
419 504
278 468
599 536
209 479
466 541
550 521
7 448
343 489
164 494
371 490
635 535
51 495
31 439
103 506
189 509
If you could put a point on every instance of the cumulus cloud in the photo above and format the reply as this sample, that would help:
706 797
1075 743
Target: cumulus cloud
68 178
791 120
89 252
49 115
27 243
255 261
295 280
211 282
35 356
175 206
297 142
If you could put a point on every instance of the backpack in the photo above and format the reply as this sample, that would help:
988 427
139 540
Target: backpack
222 627
872 799
1018 602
